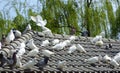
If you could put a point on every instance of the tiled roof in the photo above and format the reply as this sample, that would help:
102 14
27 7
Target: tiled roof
75 61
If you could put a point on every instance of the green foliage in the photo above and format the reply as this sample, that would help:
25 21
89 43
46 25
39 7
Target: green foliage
62 16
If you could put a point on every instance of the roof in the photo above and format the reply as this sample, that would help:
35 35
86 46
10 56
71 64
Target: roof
75 61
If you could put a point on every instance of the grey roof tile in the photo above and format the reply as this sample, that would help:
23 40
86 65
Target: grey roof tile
75 61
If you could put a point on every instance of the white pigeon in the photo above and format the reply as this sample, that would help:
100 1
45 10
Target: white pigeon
21 50
80 48
117 57
29 64
55 41
72 48
97 38
18 63
107 59
28 28
45 43
39 21
33 52
99 43
47 31
114 63
61 64
31 44
58 46
17 33
72 38
61 45
93 59
47 53
66 42
10 37
102 34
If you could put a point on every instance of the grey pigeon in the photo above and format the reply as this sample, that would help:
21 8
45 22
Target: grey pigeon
13 60
3 59
42 63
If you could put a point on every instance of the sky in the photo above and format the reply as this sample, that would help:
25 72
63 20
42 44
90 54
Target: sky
6 5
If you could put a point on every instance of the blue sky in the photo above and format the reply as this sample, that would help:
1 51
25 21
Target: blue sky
6 5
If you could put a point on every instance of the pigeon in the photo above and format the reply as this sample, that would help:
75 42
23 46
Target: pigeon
80 48
45 43
114 63
55 41
72 48
117 57
99 43
66 42
47 53
17 33
61 65
107 59
18 63
10 37
42 63
31 44
72 38
29 64
33 52
97 38
21 49
3 60
39 21
13 60
28 28
102 34
93 60
58 46
47 31
61 45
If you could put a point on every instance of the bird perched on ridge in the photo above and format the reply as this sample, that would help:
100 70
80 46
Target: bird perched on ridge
107 59
28 28
21 49
10 37
29 64
31 44
55 41
93 60
72 48
3 60
33 52
42 63
17 33
98 37
13 60
61 65
117 57
72 38
61 45
80 48
114 63
99 43
45 43
47 53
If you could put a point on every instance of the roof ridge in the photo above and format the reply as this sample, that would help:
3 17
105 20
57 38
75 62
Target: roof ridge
25 37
